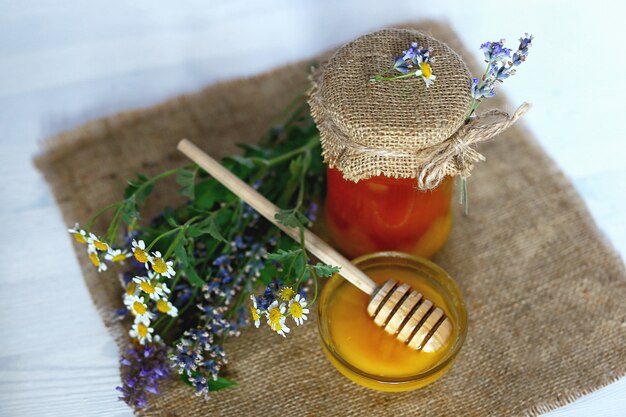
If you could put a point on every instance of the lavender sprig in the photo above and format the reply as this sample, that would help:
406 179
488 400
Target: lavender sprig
500 66
142 369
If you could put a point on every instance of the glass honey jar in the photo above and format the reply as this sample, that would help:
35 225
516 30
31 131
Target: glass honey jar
363 351
392 148
382 213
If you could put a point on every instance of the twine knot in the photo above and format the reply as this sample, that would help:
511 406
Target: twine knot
457 155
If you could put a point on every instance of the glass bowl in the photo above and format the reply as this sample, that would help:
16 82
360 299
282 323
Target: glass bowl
367 355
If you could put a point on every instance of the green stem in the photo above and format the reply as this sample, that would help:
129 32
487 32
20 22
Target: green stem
158 177
315 278
397 77
310 144
100 213
161 236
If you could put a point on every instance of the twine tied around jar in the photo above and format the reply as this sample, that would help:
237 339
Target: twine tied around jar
457 154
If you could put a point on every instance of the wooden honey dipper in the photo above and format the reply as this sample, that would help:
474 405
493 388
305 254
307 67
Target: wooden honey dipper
406 314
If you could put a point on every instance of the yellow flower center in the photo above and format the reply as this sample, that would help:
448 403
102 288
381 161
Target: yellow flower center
132 287
159 266
139 308
287 293
140 255
255 315
278 327
274 316
119 258
163 306
80 238
146 287
93 257
100 245
426 70
296 310
142 330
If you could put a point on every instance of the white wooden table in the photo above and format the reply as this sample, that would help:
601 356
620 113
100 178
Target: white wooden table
64 63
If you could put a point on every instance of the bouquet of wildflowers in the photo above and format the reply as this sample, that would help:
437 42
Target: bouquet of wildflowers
195 274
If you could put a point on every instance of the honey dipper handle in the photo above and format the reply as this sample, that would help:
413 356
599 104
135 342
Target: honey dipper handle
322 250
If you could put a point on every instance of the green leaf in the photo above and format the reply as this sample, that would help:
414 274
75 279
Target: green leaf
129 210
299 270
291 217
241 160
325 270
267 274
208 192
132 189
181 254
284 255
193 277
170 217
295 167
207 226
220 383
214 385
186 179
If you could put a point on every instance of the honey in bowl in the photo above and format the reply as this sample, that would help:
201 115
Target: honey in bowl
363 351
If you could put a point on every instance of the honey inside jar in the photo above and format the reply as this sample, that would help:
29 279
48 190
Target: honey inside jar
363 351
382 213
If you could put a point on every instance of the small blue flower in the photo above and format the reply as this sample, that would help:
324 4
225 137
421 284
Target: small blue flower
495 50
401 65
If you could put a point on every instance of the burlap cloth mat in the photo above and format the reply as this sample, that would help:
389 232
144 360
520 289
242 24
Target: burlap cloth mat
545 293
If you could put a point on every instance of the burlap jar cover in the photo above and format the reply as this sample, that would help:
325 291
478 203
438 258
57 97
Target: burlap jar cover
545 292
399 128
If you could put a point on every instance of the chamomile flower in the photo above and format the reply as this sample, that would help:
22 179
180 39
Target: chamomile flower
154 290
141 331
95 259
79 234
116 255
160 266
276 315
131 288
97 243
139 251
166 307
160 287
298 309
138 308
425 70
287 293
281 329
255 312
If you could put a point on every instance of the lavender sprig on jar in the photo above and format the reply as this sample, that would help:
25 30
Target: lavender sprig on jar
500 66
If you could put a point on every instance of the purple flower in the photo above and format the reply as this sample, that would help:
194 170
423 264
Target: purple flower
401 65
495 50
311 211
500 65
142 369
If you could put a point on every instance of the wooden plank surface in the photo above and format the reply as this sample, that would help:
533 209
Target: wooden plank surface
61 65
